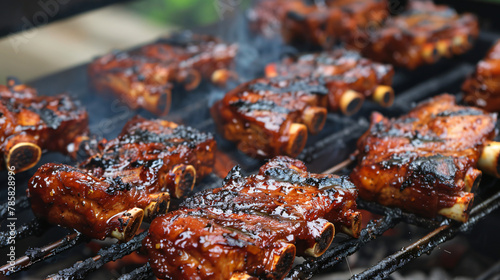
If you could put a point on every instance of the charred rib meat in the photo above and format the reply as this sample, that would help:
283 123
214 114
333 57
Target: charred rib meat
253 226
128 178
271 116
310 24
32 123
426 161
145 78
482 89
371 79
422 34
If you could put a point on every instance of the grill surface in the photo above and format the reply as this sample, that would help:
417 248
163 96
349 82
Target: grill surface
330 147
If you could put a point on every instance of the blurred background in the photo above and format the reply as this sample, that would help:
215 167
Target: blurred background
65 37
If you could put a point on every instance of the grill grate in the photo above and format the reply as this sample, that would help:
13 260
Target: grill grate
334 144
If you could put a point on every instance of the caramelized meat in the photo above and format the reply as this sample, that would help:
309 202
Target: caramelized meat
426 161
197 57
128 178
313 24
253 225
32 123
144 78
422 34
327 22
482 89
270 116
371 79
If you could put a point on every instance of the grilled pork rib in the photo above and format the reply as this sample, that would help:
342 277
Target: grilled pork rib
253 225
145 78
309 24
371 79
271 116
128 178
32 123
482 89
426 161
422 34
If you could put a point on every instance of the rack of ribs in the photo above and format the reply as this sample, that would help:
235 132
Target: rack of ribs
427 161
144 78
421 34
371 79
482 88
32 124
126 179
267 117
312 24
253 226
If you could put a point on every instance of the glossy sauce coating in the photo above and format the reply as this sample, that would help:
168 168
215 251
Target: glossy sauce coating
257 115
421 34
347 70
419 162
217 233
144 78
51 122
129 171
309 24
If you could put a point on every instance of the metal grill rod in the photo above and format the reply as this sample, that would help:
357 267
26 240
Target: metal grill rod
114 252
429 242
35 255
34 227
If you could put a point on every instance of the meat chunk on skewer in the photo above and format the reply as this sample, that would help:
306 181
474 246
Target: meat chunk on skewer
422 34
482 89
144 78
371 79
253 226
128 178
31 124
427 161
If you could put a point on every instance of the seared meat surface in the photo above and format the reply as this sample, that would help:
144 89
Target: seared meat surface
355 72
482 89
144 78
315 24
31 124
253 225
127 178
422 34
426 161
271 116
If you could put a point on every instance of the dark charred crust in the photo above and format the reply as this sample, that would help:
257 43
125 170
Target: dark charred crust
312 85
259 105
292 176
469 111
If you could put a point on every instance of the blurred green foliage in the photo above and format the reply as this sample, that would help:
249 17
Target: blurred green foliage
188 13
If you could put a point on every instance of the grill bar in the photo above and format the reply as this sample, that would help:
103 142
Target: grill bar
429 242
141 273
34 255
339 252
114 252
